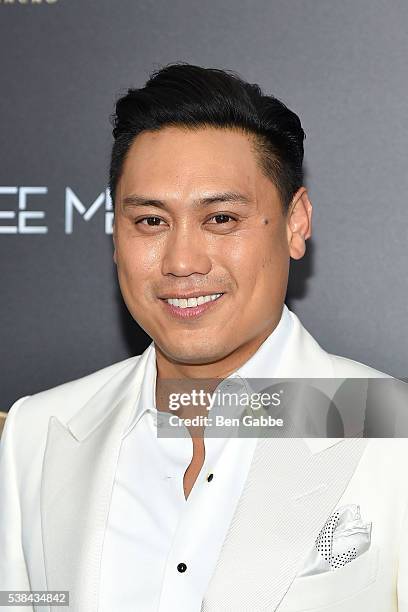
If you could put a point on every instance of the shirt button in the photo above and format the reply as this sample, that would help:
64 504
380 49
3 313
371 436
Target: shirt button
182 567
210 477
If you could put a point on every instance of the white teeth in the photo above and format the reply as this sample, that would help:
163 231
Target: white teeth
192 302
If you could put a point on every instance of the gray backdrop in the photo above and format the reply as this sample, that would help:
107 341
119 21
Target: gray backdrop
341 65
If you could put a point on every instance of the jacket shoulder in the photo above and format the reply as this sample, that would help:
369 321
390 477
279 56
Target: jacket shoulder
308 359
63 400
348 368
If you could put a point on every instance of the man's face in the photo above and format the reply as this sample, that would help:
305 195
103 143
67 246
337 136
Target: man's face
195 215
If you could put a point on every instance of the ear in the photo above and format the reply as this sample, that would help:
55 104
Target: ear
299 223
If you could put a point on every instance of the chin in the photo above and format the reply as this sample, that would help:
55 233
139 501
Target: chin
194 353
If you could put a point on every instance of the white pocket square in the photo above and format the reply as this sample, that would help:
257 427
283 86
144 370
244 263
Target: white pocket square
343 538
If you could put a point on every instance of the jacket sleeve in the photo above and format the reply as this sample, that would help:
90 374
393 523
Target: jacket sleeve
13 571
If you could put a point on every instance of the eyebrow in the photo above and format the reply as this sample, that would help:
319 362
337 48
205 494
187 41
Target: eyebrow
225 196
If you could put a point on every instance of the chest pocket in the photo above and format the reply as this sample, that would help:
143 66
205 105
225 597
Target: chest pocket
323 590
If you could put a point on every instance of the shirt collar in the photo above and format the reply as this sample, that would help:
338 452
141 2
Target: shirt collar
262 364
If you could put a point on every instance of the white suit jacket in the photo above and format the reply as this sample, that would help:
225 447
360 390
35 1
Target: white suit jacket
59 453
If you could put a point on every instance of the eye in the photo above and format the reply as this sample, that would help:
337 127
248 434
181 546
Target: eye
224 218
151 221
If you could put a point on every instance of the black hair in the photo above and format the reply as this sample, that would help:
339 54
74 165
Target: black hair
182 94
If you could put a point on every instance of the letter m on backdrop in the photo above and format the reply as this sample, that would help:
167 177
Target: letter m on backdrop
73 203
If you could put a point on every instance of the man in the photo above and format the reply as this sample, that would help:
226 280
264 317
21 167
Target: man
206 179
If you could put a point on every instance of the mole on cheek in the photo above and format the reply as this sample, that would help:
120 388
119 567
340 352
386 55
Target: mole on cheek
265 221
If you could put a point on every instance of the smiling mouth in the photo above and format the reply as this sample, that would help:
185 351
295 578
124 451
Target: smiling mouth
192 302
191 308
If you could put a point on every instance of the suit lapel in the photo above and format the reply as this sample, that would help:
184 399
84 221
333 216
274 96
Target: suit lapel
292 487
289 493
78 475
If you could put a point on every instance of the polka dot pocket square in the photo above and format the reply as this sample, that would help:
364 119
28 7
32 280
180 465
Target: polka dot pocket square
343 538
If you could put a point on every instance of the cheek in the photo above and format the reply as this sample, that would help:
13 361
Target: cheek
274 246
275 257
136 258
256 256
134 269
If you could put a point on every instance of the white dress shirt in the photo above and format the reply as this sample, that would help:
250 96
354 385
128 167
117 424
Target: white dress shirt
160 549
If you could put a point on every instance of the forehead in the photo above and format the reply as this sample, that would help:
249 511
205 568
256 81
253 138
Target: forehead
185 159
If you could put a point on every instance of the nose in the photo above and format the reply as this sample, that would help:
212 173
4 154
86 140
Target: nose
185 253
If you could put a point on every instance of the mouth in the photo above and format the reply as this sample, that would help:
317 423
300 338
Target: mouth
191 307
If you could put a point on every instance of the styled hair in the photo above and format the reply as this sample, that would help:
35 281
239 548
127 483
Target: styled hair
182 94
